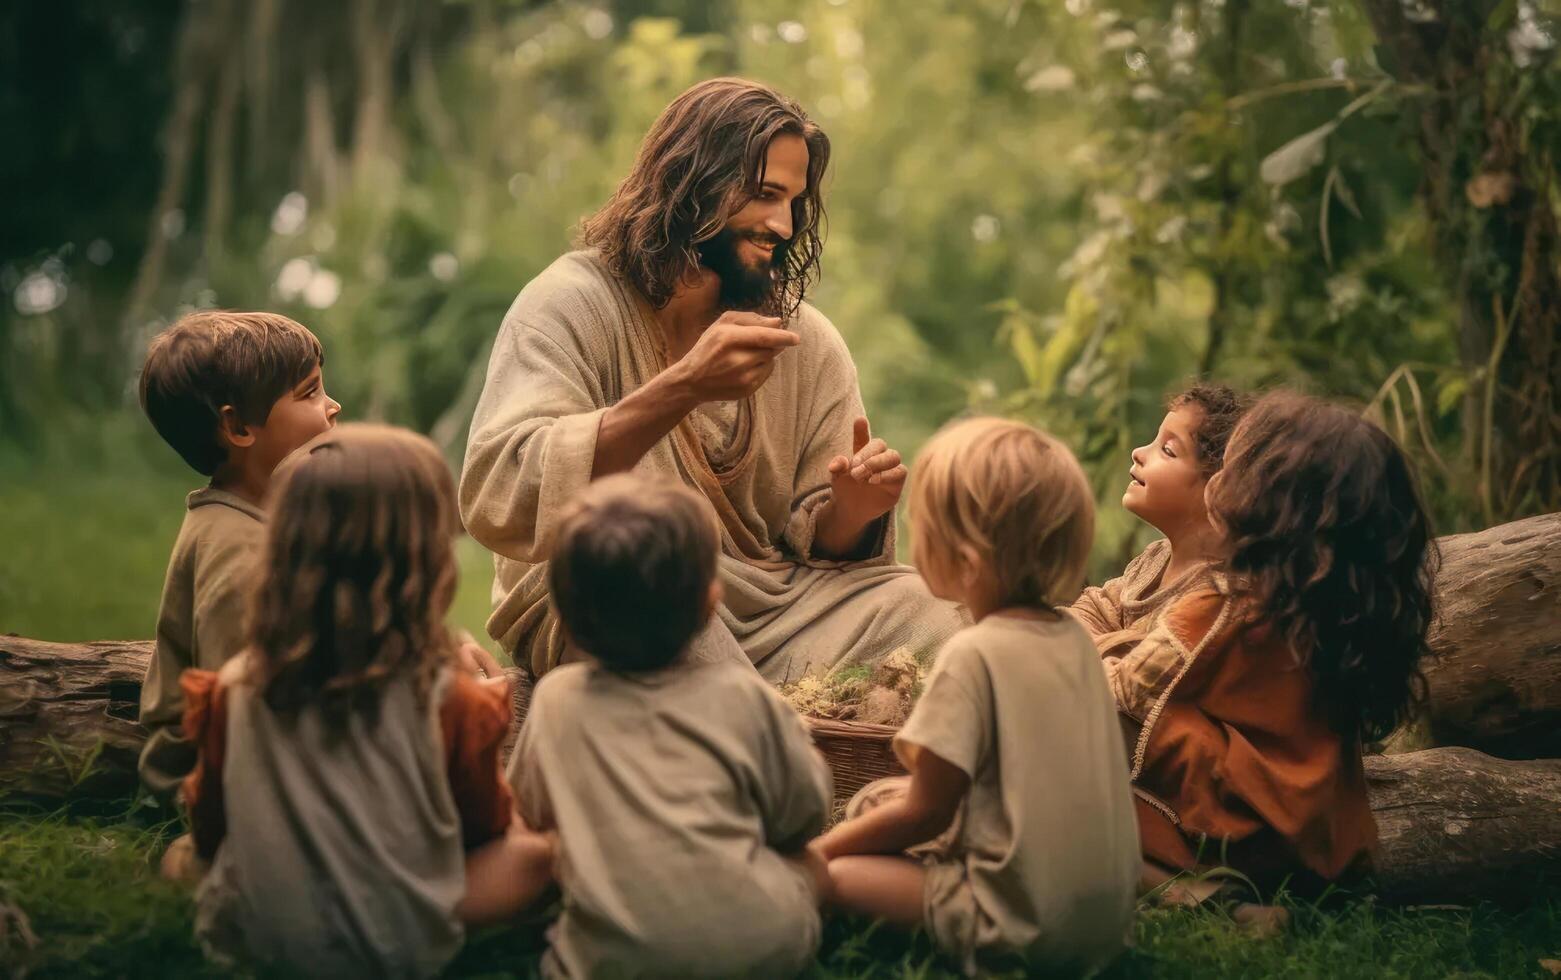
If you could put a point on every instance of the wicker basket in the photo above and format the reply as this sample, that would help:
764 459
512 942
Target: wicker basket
857 754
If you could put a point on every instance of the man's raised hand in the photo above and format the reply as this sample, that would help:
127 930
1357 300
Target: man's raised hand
734 357
867 484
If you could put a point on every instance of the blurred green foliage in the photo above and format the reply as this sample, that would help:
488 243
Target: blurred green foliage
1059 209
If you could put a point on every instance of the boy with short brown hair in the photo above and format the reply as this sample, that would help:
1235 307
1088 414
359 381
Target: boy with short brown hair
683 791
233 394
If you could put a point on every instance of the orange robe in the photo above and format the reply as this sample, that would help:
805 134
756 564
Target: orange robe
1233 761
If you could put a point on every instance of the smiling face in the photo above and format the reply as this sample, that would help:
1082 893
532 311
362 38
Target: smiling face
1166 484
751 247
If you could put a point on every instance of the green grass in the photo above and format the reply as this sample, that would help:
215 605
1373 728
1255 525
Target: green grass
93 899
86 535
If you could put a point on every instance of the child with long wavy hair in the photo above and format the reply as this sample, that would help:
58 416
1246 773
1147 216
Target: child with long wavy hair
1250 702
347 789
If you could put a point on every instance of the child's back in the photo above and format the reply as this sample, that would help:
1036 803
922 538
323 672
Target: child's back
1012 841
1045 862
674 794
683 792
200 620
343 853
347 790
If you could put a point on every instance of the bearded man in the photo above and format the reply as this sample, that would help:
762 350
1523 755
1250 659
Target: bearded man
676 343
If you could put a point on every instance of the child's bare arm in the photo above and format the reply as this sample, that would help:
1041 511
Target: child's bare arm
926 810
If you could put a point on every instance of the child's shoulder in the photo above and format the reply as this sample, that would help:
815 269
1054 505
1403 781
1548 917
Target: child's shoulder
211 513
1200 615
563 682
1002 632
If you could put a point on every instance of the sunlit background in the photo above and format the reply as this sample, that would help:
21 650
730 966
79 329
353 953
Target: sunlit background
1057 210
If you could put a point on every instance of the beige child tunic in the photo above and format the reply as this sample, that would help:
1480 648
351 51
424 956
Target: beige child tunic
674 795
342 856
578 340
1123 611
200 622
1045 866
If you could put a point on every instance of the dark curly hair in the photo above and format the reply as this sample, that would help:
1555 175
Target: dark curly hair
1328 540
1220 408
702 160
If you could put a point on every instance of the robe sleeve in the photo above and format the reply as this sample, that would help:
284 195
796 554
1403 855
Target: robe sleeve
533 438
953 718
206 726
796 789
223 577
474 719
836 405
525 771
1142 674
1099 608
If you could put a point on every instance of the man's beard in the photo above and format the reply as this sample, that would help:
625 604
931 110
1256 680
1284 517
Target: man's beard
744 286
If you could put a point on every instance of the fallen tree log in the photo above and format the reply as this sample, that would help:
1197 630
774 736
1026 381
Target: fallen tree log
68 713
1495 684
1455 824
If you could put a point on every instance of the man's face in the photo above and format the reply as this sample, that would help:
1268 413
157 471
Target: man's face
752 245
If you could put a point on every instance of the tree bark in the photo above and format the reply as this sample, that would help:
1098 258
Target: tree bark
1488 192
1495 684
1454 824
68 713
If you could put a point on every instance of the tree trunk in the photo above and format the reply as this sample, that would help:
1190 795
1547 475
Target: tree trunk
1496 681
1488 191
1454 824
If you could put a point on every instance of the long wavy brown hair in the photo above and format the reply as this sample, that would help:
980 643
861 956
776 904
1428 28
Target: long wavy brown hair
1328 539
358 573
702 160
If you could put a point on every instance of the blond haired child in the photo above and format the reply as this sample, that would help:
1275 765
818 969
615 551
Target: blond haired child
1165 490
683 791
1015 743
347 791
232 393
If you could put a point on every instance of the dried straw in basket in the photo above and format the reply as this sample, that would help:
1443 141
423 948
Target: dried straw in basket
857 754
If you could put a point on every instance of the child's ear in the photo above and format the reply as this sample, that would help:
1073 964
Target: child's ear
714 597
969 566
232 430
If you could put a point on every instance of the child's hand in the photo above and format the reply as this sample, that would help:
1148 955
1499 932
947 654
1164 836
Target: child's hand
817 864
476 660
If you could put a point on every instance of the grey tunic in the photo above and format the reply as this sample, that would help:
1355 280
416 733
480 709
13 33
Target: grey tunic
342 857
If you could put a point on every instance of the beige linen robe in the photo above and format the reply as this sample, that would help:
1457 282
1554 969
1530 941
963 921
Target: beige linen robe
575 342
1123 611
1044 866
675 795
200 622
